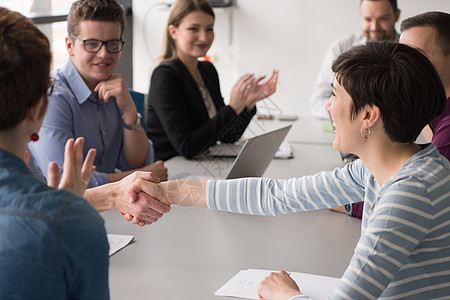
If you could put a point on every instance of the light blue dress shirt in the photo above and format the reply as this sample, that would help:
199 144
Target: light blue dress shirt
53 243
74 112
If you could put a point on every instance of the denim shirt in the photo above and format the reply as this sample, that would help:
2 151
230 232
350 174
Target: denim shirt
53 244
74 112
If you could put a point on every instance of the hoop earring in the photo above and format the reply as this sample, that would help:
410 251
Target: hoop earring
34 137
365 136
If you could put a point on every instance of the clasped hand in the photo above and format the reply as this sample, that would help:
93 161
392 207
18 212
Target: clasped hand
152 194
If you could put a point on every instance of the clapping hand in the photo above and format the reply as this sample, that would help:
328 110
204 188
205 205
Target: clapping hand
248 90
259 91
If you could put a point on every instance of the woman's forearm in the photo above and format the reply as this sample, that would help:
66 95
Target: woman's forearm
184 192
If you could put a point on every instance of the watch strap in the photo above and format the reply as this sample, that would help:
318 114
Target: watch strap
348 209
137 126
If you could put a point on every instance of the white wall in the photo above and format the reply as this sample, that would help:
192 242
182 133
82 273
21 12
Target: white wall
259 35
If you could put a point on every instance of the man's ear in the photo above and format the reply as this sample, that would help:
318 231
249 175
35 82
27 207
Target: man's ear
397 15
371 115
69 45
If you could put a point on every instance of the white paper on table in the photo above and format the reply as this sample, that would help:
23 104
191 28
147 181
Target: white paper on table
245 284
284 151
117 242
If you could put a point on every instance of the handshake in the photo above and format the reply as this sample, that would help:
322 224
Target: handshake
150 199
141 197
139 207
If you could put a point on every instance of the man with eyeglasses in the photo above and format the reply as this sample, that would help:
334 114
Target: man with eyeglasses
94 46
88 100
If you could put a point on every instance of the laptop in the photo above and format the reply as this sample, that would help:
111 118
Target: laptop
254 156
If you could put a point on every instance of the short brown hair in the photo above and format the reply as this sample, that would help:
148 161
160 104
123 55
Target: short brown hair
392 2
396 78
25 60
94 10
439 21
179 10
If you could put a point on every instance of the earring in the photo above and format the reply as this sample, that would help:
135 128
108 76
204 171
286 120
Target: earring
365 136
34 137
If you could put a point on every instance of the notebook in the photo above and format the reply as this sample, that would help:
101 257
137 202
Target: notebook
255 155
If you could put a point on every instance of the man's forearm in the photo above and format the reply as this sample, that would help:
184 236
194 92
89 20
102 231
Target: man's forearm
136 147
102 197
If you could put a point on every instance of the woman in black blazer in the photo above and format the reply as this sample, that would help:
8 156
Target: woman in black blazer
186 113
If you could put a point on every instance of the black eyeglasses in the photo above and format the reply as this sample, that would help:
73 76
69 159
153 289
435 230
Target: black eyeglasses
93 46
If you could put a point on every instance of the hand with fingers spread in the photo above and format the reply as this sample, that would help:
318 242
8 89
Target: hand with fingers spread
77 172
248 90
259 91
278 286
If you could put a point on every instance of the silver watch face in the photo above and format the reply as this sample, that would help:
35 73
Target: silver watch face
136 126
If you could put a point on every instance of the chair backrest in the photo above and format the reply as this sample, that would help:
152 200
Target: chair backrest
139 101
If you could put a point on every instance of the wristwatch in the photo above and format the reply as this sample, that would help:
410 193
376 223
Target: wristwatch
348 209
137 126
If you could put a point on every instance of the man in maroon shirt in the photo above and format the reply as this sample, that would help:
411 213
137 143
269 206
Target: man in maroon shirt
430 32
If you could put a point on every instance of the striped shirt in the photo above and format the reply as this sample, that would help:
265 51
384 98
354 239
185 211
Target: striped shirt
404 249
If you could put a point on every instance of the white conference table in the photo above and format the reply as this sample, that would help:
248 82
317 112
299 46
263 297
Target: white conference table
191 252
306 129
308 159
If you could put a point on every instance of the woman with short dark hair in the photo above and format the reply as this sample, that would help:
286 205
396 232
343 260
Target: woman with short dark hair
383 95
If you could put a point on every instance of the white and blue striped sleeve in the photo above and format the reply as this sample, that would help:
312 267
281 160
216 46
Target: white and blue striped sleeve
261 196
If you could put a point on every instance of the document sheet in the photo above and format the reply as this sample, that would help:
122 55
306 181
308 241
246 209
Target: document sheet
245 284
117 242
